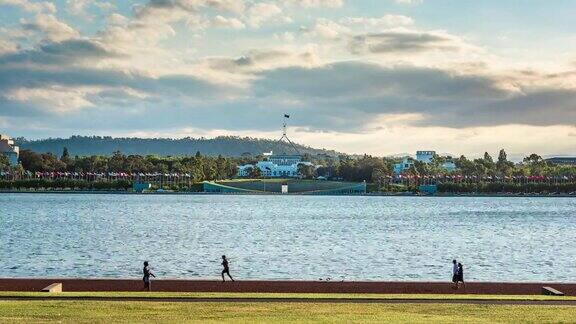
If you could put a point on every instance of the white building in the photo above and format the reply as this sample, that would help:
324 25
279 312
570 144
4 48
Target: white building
406 164
275 166
422 156
425 156
8 149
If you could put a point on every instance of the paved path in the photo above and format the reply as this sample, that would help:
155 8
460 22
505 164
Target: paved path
254 286
297 300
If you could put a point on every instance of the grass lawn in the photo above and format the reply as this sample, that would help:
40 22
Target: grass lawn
274 312
280 295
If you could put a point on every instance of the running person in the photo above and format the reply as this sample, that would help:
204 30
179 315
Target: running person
147 273
226 269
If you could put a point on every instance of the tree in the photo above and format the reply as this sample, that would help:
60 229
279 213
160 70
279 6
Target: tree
117 162
488 158
533 159
65 155
503 165
306 171
65 158
254 173
467 167
380 177
4 162
536 164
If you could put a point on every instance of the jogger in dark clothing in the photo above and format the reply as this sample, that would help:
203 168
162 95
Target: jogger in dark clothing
460 276
454 274
226 269
147 274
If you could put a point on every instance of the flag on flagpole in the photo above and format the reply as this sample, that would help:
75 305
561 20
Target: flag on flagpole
286 116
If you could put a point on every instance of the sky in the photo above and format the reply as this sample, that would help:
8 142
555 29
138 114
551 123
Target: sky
381 77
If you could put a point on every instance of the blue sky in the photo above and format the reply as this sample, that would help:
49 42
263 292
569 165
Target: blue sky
380 77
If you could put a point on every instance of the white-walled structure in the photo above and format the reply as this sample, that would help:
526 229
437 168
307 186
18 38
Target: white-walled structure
406 164
8 149
275 166
425 157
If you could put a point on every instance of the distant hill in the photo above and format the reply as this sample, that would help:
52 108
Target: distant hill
223 145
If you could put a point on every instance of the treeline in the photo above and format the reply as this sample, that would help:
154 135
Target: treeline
532 165
223 145
343 167
199 167
506 187
65 184
79 184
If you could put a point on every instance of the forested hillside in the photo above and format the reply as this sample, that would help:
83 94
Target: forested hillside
224 145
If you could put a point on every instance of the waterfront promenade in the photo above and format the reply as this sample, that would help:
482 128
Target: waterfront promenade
317 287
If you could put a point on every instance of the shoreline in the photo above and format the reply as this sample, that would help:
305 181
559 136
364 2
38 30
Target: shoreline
374 194
283 286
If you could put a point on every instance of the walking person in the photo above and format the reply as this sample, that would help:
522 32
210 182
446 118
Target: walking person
460 278
226 269
454 274
147 273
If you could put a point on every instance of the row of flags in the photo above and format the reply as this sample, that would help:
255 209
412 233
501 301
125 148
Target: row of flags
486 178
187 175
96 174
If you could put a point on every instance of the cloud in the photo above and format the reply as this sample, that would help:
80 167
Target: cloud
223 22
385 21
50 27
262 12
402 41
261 60
59 53
7 47
44 6
317 3
174 10
58 99
80 7
355 77
360 92
328 29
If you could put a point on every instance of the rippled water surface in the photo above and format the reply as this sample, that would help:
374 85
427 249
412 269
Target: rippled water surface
287 237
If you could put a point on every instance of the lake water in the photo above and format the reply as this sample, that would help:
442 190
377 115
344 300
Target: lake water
287 237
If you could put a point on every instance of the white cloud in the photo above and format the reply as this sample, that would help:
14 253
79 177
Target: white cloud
58 99
31 6
223 22
317 3
262 12
50 27
80 7
77 7
385 21
7 47
328 29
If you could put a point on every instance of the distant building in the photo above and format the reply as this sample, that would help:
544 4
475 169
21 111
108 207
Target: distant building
275 166
449 166
8 149
425 157
562 160
406 164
